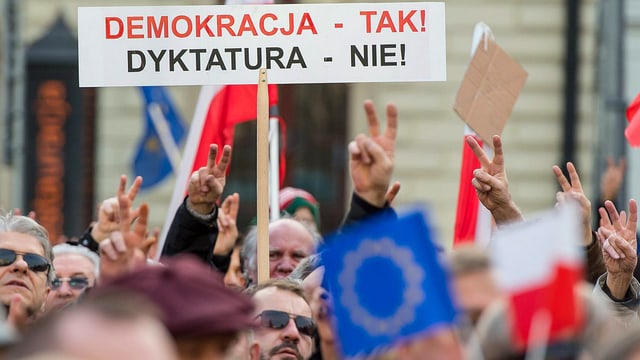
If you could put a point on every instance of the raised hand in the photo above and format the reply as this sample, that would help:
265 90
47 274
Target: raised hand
372 158
491 184
227 227
109 211
207 183
573 189
620 262
126 248
612 179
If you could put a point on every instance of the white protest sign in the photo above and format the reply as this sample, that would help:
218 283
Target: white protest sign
227 44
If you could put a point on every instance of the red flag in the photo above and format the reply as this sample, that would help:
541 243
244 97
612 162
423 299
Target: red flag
231 105
632 132
473 221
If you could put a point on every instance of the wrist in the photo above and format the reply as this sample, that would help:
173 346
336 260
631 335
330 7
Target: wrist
222 250
587 236
98 235
618 284
374 198
201 214
508 213
203 209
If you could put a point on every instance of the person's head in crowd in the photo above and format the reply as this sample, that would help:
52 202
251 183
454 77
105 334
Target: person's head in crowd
203 316
309 273
76 268
301 205
25 263
290 241
118 325
234 277
286 325
474 286
599 327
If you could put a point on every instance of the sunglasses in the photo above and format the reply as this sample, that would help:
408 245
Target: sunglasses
35 262
75 282
274 319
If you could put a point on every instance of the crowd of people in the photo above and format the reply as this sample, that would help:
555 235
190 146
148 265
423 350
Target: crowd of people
102 296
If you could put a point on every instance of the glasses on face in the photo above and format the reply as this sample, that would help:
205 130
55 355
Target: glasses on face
35 262
274 319
75 282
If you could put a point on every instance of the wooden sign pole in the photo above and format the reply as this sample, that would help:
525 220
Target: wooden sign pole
262 155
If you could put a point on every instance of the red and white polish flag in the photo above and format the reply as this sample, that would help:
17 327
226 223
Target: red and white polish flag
539 264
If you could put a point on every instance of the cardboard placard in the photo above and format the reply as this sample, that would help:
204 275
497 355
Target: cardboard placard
489 89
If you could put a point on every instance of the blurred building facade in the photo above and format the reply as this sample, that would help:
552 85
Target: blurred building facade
430 134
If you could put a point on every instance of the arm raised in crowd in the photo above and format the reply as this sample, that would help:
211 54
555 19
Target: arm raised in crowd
109 217
612 179
227 232
126 248
109 212
194 228
371 160
572 189
491 183
619 235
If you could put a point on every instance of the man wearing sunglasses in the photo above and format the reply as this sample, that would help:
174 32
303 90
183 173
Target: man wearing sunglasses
25 264
286 328
77 268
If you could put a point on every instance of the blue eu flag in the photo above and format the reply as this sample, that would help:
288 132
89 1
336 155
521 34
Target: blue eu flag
152 159
387 283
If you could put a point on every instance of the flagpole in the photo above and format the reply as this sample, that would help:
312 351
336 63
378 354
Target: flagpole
164 134
538 335
262 152
274 168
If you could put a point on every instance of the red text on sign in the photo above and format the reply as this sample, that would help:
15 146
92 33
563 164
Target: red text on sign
183 26
394 22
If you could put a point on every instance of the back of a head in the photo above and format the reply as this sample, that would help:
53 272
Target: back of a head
306 267
191 298
291 199
468 259
114 325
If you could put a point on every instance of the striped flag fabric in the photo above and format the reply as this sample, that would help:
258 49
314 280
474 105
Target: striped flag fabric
538 264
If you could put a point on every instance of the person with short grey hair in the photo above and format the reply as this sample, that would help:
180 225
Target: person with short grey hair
77 269
290 242
25 264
